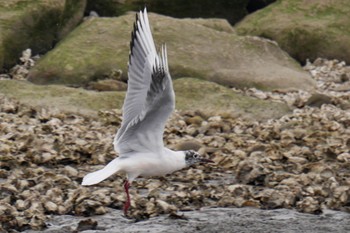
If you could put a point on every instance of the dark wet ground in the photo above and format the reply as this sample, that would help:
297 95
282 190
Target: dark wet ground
208 220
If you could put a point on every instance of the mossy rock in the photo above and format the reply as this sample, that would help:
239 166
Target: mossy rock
305 29
35 24
191 94
64 98
205 49
92 51
71 16
233 11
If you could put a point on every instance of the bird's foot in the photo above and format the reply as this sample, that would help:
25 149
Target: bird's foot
126 207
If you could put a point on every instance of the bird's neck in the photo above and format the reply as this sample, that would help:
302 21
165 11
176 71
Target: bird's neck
177 158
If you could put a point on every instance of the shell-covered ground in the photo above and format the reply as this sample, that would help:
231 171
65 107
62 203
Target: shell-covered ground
299 161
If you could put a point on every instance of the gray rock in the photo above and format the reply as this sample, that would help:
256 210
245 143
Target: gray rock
305 29
318 99
230 10
189 145
107 85
36 25
244 220
204 49
190 94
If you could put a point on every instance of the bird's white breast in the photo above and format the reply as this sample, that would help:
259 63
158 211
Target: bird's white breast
152 164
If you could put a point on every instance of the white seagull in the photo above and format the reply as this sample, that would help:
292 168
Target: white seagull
149 102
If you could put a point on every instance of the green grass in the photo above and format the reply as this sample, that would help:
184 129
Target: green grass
191 94
61 97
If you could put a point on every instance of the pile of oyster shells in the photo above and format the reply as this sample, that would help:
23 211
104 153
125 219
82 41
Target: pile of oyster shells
301 160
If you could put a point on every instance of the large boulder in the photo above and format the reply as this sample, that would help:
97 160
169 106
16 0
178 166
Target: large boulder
206 49
191 94
36 25
304 28
233 11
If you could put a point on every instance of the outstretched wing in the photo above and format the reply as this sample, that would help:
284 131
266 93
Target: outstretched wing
150 96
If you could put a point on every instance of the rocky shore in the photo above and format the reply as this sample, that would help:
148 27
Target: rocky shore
245 220
276 124
299 161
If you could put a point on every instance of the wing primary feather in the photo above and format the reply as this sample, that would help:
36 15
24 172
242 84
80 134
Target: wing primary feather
148 28
147 31
131 46
139 54
140 18
132 41
141 40
166 57
136 18
163 57
138 37
143 27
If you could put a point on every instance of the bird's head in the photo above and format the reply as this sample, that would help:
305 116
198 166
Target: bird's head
192 157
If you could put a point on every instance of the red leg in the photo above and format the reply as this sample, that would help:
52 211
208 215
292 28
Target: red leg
127 203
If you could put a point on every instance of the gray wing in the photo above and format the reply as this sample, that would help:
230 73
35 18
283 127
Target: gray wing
150 97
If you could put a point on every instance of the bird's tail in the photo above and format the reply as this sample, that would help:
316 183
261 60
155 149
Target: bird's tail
100 175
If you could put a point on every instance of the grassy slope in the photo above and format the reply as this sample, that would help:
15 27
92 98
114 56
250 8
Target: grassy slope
191 94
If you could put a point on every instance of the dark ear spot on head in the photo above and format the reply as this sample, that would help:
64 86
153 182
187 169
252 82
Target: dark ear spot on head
191 157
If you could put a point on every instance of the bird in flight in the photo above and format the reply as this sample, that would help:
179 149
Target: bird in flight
149 102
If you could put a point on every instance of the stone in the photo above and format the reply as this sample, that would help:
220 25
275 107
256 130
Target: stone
318 99
107 85
232 11
196 48
190 94
305 29
189 145
37 25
